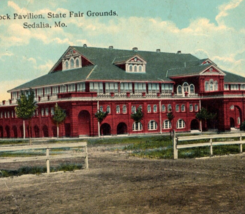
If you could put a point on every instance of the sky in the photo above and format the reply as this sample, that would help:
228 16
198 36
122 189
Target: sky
206 29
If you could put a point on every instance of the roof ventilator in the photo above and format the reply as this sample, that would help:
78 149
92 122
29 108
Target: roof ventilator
135 49
158 50
84 45
178 52
111 47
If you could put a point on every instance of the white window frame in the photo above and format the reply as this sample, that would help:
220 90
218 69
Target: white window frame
47 91
124 109
155 108
183 108
149 108
180 124
167 124
71 88
163 108
196 107
81 86
133 109
137 126
63 89
55 90
118 109
191 108
152 125
177 109
108 109
226 87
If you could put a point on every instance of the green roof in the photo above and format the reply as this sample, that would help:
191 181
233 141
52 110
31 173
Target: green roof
229 77
160 67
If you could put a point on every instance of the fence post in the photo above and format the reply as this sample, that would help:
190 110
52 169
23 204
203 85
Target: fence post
175 146
240 143
211 147
47 160
86 159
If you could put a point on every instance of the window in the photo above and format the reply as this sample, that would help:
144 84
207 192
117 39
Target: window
167 87
166 124
71 88
232 107
177 108
206 86
52 111
153 87
111 87
130 68
124 109
211 85
77 62
72 63
62 89
226 87
40 92
196 107
37 113
46 111
149 108
67 65
133 109
234 87
42 111
135 68
118 109
152 125
12 114
191 107
186 87
139 87
169 108
96 87
182 107
8 114
192 89
215 85
47 91
140 68
55 90
126 87
242 87
14 95
155 108
108 109
180 124
179 89
140 107
5 114
81 86
163 108
101 108
137 126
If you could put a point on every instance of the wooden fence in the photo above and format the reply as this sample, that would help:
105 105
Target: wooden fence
48 157
211 141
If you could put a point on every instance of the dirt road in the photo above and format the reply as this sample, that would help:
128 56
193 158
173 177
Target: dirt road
117 183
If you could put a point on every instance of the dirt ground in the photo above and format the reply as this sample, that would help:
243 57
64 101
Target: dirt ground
117 183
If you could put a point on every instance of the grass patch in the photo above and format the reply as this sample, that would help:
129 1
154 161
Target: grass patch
39 170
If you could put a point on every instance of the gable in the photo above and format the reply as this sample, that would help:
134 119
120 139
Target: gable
212 70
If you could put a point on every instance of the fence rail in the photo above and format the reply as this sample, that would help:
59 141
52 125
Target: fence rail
210 143
47 157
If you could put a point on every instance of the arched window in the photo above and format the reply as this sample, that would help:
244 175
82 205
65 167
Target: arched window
135 68
166 124
163 108
206 86
180 124
191 107
133 109
140 68
152 125
192 89
72 63
179 89
182 107
137 126
211 85
77 63
196 107
131 68
124 109
149 108
101 108
177 108
215 85
169 107
118 109
108 109
155 108
186 87
140 107
67 65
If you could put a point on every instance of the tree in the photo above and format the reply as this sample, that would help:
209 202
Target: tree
26 108
204 115
58 117
138 115
100 115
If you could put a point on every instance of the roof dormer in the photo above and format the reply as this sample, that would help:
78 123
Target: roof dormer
134 64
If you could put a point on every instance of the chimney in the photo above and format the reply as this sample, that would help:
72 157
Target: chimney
135 49
84 45
178 52
158 50
110 47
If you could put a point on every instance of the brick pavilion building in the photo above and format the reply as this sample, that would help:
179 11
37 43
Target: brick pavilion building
86 79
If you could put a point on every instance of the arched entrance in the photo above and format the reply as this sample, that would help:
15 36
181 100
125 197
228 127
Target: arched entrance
121 128
36 131
232 122
1 131
84 123
7 129
194 125
14 129
105 129
45 131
